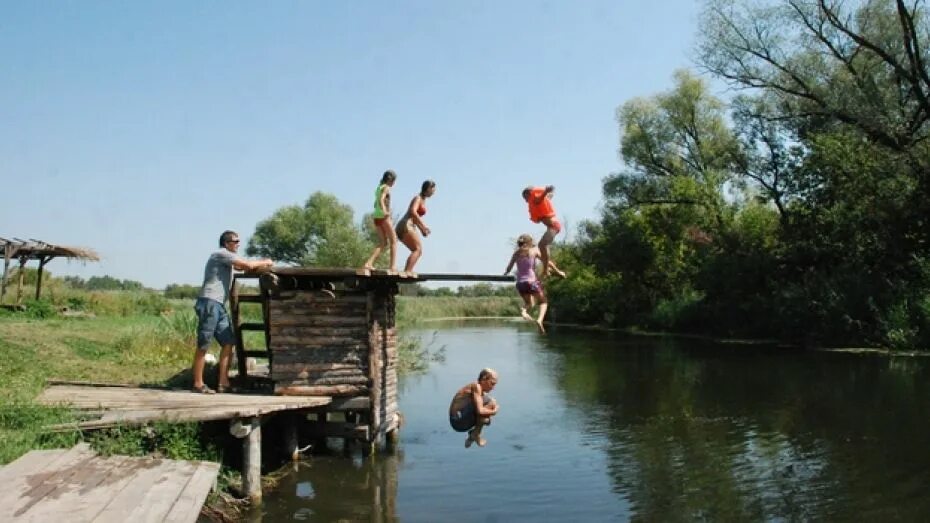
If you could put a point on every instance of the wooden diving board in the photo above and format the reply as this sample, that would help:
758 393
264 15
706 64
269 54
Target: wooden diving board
77 485
118 405
339 273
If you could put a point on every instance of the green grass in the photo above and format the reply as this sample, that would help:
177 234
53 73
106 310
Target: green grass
411 310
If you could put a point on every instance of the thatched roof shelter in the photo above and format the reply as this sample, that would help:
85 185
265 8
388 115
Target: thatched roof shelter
43 252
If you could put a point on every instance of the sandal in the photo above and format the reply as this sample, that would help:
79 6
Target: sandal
203 389
224 389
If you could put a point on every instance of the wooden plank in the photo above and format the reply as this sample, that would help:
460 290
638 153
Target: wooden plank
252 326
303 330
293 379
187 506
162 495
29 489
463 277
321 390
145 474
41 469
33 460
89 493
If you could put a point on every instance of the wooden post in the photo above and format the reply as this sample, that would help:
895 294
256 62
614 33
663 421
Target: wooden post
252 462
19 282
241 360
8 251
42 261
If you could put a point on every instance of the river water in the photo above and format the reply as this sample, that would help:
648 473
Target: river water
599 426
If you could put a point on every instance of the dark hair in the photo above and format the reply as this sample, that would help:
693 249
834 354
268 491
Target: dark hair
486 373
427 185
226 236
388 176
527 191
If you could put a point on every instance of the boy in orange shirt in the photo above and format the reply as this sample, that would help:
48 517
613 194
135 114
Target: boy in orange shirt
542 211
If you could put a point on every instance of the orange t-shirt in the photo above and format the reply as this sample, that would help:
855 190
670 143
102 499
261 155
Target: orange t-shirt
540 210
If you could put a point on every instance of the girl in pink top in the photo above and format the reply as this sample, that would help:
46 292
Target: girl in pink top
528 285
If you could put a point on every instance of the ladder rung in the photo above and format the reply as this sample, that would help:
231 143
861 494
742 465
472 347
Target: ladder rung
250 298
256 353
252 326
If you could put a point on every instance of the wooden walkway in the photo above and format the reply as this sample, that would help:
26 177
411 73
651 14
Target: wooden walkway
119 405
77 485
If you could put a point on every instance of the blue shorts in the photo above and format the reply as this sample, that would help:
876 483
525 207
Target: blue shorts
466 418
212 322
530 287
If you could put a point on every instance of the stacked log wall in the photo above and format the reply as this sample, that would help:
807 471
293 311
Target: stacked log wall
319 344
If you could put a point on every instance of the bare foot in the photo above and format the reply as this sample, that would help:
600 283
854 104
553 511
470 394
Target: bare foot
470 439
540 325
560 273
526 316
368 267
481 442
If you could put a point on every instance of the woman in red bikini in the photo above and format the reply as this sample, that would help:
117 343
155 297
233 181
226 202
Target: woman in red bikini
412 221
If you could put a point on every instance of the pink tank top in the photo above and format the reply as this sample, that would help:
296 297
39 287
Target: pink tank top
526 268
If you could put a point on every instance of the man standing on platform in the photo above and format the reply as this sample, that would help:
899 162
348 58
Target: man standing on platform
212 318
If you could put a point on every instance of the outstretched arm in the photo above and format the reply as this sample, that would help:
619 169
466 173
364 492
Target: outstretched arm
241 264
513 260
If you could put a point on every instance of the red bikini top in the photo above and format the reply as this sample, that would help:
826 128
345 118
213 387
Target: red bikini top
421 210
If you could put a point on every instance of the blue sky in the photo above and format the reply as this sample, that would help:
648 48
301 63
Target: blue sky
143 130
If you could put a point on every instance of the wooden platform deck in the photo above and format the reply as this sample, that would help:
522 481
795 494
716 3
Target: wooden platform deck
338 273
119 405
77 485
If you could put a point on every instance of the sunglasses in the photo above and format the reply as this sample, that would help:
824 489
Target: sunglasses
233 241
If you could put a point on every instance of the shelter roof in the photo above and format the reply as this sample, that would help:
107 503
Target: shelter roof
38 249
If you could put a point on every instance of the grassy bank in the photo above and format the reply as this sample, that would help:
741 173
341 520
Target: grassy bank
142 338
411 310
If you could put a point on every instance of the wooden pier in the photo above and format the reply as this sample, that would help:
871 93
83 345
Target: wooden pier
331 346
77 485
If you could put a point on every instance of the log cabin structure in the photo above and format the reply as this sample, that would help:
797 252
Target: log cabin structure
332 332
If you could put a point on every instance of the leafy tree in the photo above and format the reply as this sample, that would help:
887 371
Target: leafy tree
321 232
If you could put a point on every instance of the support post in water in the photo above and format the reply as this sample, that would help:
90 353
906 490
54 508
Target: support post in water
252 462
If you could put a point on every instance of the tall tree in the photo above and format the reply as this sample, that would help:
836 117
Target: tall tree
322 232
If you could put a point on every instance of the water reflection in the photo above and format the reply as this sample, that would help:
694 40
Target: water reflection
702 430
600 426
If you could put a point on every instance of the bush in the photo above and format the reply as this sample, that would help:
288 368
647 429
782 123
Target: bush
39 309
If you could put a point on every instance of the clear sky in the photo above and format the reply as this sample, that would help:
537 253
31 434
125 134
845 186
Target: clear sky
144 129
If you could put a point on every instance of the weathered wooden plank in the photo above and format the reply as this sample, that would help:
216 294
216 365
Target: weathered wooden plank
297 370
40 484
123 503
32 460
316 341
321 390
318 356
187 507
319 367
162 495
313 320
302 330
292 379
110 476
16 493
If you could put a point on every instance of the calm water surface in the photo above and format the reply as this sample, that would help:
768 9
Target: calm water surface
608 427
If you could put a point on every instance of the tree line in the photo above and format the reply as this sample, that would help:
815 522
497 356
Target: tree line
796 210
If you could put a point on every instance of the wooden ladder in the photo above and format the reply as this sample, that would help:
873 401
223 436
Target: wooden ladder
242 353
